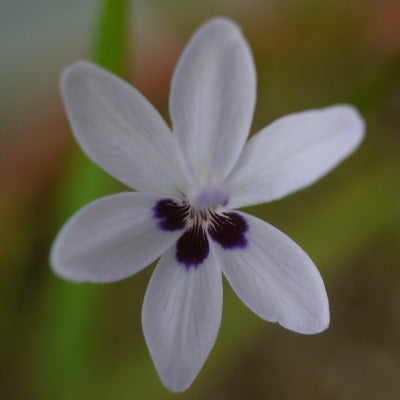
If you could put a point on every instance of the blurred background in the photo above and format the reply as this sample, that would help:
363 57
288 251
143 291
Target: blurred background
60 340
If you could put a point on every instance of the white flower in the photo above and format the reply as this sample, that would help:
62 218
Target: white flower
188 182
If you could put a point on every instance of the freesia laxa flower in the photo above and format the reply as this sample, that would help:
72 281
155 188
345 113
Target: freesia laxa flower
188 183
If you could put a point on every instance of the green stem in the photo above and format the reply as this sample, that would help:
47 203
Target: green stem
66 337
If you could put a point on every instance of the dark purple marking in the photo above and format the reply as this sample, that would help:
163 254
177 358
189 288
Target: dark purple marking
228 230
192 248
171 216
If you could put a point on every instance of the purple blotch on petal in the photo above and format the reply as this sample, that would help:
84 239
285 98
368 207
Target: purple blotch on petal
192 248
229 230
170 215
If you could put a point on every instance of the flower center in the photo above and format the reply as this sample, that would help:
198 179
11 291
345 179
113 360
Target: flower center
226 228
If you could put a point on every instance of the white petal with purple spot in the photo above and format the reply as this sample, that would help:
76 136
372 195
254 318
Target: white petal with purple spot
276 279
110 239
181 317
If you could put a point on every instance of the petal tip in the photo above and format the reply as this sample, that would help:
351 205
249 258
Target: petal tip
317 325
221 22
72 71
319 321
320 324
175 387
57 267
319 314
355 122
221 27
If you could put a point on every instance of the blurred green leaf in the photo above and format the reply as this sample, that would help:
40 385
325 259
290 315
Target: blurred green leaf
66 338
109 46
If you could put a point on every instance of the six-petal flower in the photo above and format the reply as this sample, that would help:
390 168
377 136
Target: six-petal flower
189 182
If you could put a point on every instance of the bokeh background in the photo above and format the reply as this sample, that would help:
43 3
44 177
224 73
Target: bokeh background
64 341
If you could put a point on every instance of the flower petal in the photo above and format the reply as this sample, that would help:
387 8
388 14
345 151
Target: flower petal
120 130
212 100
294 152
110 239
181 316
276 279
